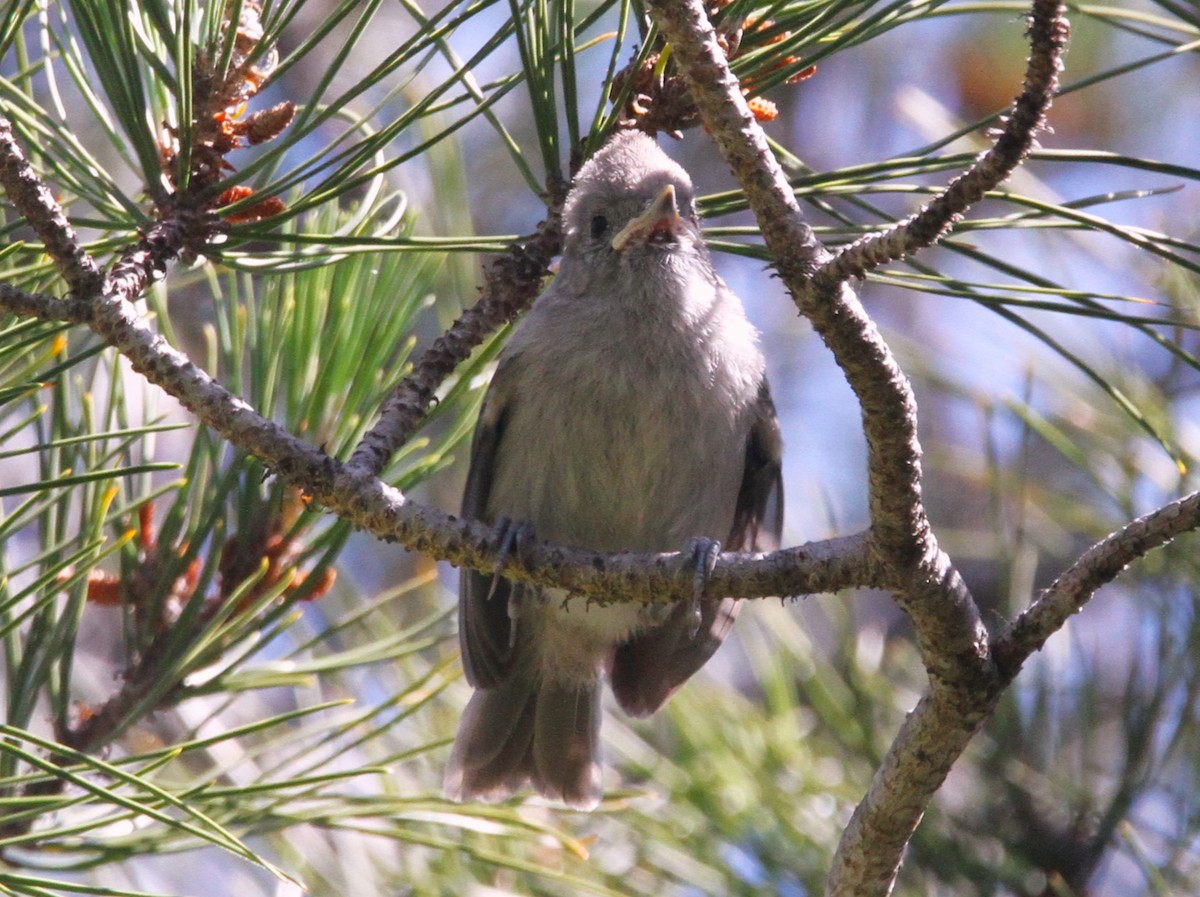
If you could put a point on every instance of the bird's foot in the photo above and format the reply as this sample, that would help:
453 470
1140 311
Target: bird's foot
703 554
510 537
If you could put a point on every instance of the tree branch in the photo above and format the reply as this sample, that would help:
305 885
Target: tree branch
1097 566
931 739
964 680
32 197
1048 34
367 503
511 282
952 639
43 306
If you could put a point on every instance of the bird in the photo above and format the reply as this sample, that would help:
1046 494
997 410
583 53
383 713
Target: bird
629 411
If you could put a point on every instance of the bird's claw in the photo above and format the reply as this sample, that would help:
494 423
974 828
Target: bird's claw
510 537
703 554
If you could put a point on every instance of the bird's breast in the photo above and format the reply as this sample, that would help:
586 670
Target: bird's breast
639 450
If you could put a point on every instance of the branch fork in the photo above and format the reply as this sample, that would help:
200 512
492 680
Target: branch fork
968 666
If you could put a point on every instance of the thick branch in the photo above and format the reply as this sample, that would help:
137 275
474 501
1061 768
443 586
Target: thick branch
936 732
367 503
964 680
889 409
184 226
951 637
929 742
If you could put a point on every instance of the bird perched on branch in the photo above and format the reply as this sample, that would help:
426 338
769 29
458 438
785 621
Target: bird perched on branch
629 411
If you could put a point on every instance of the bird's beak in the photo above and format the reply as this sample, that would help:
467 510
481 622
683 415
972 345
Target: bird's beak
661 219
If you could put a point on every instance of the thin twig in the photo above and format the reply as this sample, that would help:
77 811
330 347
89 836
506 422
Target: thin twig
43 306
510 284
33 199
1048 34
1097 566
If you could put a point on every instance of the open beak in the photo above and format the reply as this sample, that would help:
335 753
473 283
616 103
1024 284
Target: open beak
661 220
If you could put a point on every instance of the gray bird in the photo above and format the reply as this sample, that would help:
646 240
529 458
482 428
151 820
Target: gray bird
629 411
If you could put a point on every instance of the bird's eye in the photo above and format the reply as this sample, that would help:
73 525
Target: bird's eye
599 226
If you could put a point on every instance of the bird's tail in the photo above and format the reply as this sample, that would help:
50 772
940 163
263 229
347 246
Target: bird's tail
529 729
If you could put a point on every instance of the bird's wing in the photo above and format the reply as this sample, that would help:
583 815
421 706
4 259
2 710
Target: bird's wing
647 669
483 624
758 520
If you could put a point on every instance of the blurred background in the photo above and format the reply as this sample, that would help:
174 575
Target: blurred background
1051 342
